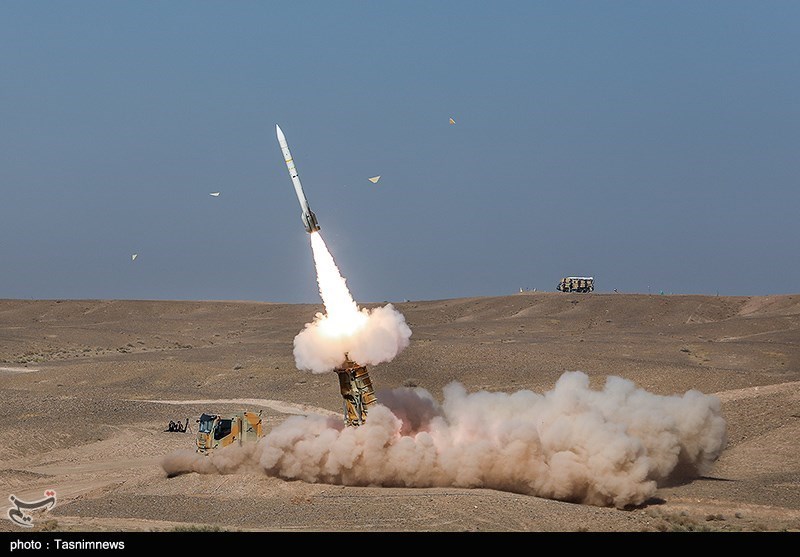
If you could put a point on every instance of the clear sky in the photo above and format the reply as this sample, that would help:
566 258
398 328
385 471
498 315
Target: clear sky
652 145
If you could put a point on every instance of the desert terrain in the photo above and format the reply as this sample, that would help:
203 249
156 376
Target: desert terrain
89 386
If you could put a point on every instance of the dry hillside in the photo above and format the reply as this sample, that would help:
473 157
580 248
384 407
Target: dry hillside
88 387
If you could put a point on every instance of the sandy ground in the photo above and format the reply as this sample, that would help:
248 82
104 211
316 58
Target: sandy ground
88 387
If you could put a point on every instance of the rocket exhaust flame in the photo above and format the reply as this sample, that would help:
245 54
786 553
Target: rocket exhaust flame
343 317
342 323
367 337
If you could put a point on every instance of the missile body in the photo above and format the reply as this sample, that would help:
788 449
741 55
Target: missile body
307 216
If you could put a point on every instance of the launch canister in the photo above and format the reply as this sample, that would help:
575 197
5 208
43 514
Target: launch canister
357 391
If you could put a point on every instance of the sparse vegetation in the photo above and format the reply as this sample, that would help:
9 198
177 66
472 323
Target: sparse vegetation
679 523
682 522
49 525
199 528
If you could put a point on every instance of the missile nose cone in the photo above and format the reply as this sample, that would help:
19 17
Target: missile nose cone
281 137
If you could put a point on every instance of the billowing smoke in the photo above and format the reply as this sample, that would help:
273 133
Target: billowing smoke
368 337
611 447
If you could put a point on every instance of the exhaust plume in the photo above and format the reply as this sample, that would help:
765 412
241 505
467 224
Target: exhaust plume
369 337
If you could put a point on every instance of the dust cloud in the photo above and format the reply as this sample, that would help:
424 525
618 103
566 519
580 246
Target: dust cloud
608 447
230 460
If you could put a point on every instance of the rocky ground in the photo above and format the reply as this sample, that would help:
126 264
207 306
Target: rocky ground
89 386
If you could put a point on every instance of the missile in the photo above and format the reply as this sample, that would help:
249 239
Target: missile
307 216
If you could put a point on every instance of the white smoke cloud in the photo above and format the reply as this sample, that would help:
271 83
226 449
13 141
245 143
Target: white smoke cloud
368 337
382 335
611 447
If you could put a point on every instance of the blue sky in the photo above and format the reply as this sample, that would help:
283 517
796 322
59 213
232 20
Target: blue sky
652 145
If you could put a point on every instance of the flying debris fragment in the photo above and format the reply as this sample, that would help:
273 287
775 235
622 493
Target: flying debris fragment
375 179
214 194
452 121
134 256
